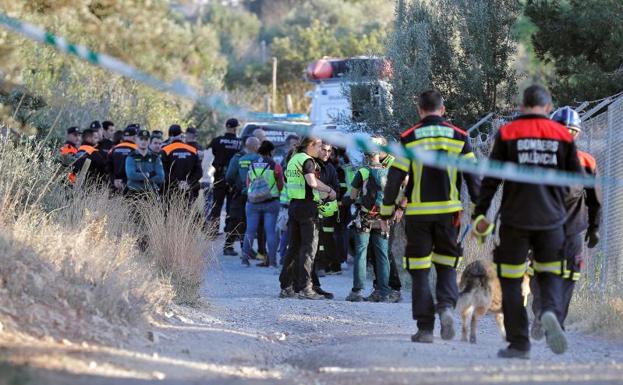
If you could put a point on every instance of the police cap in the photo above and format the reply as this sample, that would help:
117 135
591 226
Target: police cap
95 125
73 130
175 130
232 123
131 130
157 134
143 134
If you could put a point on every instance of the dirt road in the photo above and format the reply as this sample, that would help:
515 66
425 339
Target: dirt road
246 335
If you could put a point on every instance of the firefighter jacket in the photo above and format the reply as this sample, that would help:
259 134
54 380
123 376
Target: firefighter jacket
181 163
97 164
583 203
531 140
116 160
145 172
224 148
431 193
237 170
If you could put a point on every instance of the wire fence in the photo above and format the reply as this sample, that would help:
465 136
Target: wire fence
602 137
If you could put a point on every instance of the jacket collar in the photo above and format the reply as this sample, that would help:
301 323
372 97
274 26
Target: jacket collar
531 116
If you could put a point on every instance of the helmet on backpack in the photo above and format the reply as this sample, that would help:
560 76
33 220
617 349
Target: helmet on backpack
328 209
568 117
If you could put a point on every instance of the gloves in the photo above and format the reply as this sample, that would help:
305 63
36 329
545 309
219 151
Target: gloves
592 237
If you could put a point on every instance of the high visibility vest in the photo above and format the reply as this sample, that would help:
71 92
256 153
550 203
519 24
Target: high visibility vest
283 196
256 170
296 183
68 149
87 149
388 161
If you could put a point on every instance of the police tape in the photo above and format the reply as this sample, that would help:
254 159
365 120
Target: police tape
363 142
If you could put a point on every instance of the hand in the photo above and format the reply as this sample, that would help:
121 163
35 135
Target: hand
118 183
592 237
384 226
398 214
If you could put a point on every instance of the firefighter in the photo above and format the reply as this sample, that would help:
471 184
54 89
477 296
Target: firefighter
70 148
367 191
182 167
432 214
223 148
584 214
328 209
236 177
143 167
304 190
532 218
96 171
116 158
106 144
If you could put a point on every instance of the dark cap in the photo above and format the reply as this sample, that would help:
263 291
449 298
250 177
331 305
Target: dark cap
191 130
88 131
143 134
232 123
73 130
131 130
175 130
95 125
157 134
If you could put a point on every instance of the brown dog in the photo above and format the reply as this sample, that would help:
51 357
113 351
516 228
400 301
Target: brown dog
480 292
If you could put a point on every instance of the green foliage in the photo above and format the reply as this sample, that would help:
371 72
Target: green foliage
584 42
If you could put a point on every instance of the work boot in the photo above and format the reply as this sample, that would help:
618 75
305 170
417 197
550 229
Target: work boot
355 296
447 324
323 293
377 296
514 353
309 294
230 252
245 261
288 292
554 335
536 332
423 336
395 296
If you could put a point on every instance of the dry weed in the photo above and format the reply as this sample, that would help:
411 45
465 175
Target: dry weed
589 313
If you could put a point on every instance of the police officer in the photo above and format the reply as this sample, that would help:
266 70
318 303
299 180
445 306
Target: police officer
117 155
143 167
96 171
584 214
432 213
236 177
182 167
532 218
304 190
224 148
106 144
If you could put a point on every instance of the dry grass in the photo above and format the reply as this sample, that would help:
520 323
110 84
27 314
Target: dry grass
70 265
590 313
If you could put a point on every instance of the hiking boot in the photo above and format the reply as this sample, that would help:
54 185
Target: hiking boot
395 296
514 353
536 332
288 292
355 296
323 293
245 262
376 296
554 335
447 324
309 294
230 252
423 336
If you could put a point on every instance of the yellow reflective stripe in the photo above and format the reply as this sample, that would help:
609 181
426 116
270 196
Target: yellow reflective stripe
328 229
424 208
401 164
469 155
321 248
438 144
410 263
446 260
576 276
506 270
387 210
548 267
566 273
454 191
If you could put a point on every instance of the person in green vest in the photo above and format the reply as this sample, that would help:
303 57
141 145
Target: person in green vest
292 141
264 183
304 190
367 191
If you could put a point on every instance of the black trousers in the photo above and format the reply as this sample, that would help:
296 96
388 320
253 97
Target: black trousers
510 255
327 257
235 223
432 243
220 192
298 263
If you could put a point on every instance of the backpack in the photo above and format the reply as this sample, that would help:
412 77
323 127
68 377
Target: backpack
372 192
259 190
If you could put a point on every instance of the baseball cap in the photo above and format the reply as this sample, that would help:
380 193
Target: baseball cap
95 125
143 134
73 130
231 123
131 130
175 130
157 134
191 130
